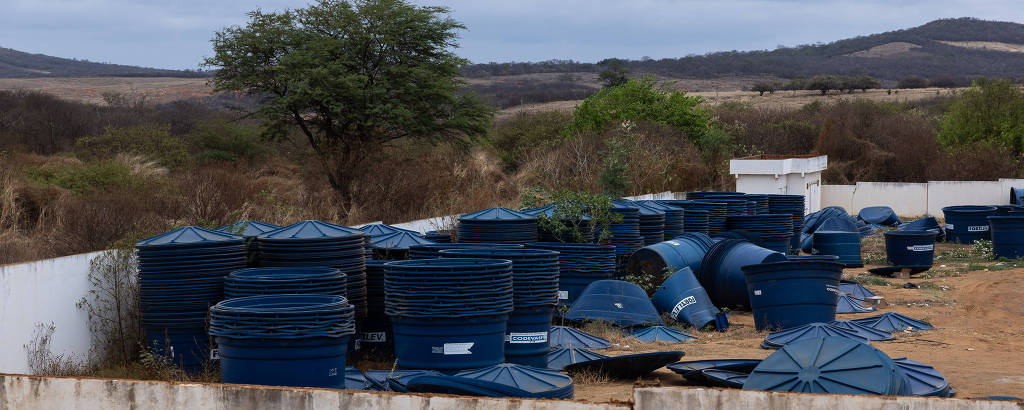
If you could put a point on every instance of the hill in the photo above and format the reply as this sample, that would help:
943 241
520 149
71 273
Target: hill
961 48
19 64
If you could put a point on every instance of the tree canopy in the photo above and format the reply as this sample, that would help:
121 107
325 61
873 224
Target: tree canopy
351 75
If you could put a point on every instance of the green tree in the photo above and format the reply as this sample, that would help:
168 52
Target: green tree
864 82
352 75
641 100
615 72
762 87
824 83
912 81
990 111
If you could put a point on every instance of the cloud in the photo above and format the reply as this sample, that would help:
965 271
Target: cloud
176 34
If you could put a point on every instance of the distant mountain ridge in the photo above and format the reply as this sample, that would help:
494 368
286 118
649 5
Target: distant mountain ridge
956 48
19 64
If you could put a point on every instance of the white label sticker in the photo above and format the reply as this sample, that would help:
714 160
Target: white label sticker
563 294
921 248
949 226
214 354
687 301
618 305
332 372
983 228
357 345
457 348
673 243
831 288
524 337
375 337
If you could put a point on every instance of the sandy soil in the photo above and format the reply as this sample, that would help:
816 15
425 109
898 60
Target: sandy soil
977 345
157 90
988 45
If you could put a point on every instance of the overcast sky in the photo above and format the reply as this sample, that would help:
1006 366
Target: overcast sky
176 33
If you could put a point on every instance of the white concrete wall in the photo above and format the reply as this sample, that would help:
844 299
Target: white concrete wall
838 195
945 193
29 392
715 399
43 292
906 199
918 199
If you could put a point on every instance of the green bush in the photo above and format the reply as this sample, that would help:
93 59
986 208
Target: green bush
228 140
155 142
641 100
516 137
990 111
83 178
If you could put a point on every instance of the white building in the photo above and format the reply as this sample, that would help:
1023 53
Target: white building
781 174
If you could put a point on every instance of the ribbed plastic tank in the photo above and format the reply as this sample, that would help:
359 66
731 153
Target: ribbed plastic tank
579 265
881 215
651 221
395 246
845 245
626 235
376 336
449 314
683 298
916 248
772 231
1007 236
270 281
618 302
829 365
793 293
283 340
696 221
497 225
716 213
761 203
792 205
534 296
1004 210
674 225
662 259
967 223
721 271
929 224
181 274
433 250
581 226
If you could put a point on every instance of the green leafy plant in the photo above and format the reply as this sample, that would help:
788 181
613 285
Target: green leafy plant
641 100
615 166
152 141
982 249
991 111
84 177
575 216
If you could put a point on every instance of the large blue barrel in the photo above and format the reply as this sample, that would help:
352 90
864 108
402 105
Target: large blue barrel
967 223
845 245
793 293
1007 236
682 296
449 344
910 248
929 224
721 271
283 340
664 258
526 340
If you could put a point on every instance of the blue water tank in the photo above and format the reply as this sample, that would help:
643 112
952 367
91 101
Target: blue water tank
793 293
721 271
967 223
910 248
662 259
682 297
1007 236
845 245
497 225
579 265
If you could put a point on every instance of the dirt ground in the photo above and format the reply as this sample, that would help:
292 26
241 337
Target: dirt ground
978 343
157 90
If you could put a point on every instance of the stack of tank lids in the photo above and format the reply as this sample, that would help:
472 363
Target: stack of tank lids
701 195
497 225
448 288
438 236
810 331
674 225
181 274
396 245
583 225
318 243
377 230
651 221
580 264
433 250
864 331
560 357
248 229
293 280
716 213
567 337
761 202
534 273
626 236
793 205
735 206
282 317
375 287
772 230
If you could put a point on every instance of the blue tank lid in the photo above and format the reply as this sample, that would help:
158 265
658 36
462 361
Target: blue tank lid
248 228
462 386
382 229
895 322
561 357
832 365
311 230
837 224
497 214
690 370
546 383
725 378
662 334
628 366
619 302
398 241
809 331
548 211
881 215
646 209
847 304
855 289
563 336
189 236
923 379
867 332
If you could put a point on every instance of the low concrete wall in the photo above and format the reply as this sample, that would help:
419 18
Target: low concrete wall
40 293
713 399
918 199
31 392
906 199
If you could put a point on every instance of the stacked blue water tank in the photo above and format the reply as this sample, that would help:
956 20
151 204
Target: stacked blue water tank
674 225
626 236
449 314
181 274
651 221
761 203
792 205
498 225
534 297
579 265
375 331
396 245
582 227
283 340
250 230
433 250
774 231
715 214
295 280
438 236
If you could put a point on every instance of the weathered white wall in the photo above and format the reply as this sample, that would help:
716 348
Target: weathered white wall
918 199
29 392
715 399
906 199
945 193
838 195
43 292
